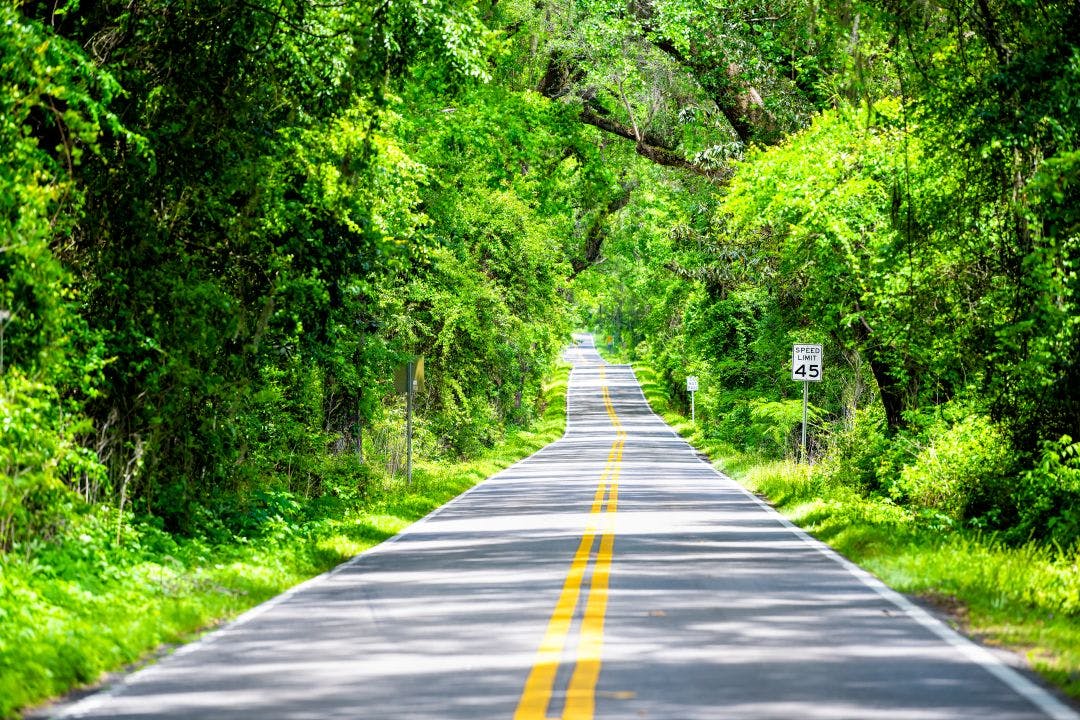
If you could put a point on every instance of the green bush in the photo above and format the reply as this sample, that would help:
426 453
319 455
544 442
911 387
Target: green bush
776 425
1047 496
959 468
855 447
39 460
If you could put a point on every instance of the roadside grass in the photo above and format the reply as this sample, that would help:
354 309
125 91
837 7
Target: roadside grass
89 605
1024 598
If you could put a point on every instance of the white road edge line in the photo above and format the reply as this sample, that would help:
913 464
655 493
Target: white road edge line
1036 695
644 399
91 702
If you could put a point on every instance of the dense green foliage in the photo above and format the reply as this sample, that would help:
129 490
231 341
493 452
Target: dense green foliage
1026 597
224 224
921 222
95 601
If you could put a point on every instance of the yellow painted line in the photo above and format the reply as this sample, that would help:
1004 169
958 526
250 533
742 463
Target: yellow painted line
611 411
536 696
539 686
581 693
541 681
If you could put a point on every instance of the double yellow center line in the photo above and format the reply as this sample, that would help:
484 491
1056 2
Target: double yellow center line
581 691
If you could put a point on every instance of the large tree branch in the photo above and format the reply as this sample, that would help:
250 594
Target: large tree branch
594 240
558 82
616 128
653 151
739 101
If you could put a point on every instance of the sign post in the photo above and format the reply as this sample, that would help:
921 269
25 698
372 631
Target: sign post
805 368
691 387
408 379
410 392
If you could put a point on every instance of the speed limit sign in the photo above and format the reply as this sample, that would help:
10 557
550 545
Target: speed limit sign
806 363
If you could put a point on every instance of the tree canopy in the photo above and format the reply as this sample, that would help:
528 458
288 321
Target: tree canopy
224 224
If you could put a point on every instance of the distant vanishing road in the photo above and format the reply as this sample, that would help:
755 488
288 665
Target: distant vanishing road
611 575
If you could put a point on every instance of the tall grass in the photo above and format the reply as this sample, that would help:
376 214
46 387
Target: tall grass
1026 597
93 602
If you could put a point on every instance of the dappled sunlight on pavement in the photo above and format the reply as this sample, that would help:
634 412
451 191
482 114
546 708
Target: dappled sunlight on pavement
714 607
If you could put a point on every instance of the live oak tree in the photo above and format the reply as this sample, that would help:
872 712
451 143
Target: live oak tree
225 223
908 194
247 198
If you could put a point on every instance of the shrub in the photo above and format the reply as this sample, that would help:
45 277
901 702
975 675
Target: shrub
1047 496
959 469
855 449
39 460
776 425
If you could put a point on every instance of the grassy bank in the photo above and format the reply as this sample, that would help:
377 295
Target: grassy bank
1026 598
110 595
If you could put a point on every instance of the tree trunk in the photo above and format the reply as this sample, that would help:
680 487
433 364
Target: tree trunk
890 387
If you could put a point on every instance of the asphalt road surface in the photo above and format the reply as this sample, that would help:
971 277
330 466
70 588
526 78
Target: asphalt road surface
611 575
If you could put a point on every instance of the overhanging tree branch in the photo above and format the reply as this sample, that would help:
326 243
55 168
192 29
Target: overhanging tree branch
558 82
594 240
650 148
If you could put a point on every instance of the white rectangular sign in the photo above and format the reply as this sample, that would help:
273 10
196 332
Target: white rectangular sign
806 363
691 383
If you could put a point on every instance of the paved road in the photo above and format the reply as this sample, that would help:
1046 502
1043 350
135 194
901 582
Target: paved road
611 575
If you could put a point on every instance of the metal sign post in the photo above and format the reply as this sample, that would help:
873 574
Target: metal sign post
691 387
408 379
410 391
805 368
805 394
